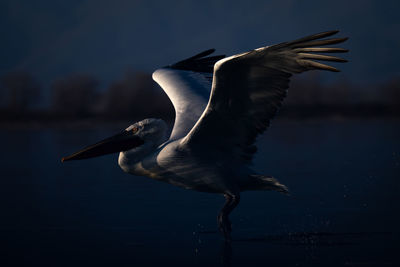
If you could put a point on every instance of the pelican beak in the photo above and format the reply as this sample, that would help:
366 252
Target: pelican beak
117 143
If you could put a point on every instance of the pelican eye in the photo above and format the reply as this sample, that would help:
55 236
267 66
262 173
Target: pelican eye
134 130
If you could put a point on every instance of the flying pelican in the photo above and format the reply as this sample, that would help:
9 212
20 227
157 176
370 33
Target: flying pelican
221 105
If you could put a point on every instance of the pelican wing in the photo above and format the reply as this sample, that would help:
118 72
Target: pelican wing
188 85
248 89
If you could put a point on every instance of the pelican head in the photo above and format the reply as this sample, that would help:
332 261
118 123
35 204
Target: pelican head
138 137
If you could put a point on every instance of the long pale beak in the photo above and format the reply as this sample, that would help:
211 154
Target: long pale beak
117 143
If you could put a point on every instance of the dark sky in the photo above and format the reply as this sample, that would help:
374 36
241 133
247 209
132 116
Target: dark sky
53 38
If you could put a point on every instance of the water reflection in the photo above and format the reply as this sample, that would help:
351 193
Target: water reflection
226 254
346 248
344 195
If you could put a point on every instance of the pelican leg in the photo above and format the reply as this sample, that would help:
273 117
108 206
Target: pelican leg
224 223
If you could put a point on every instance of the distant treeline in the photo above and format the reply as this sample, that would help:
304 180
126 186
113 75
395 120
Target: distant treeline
136 95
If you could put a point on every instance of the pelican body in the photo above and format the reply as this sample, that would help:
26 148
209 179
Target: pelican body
221 105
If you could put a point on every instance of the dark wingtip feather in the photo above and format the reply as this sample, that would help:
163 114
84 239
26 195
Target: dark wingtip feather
333 31
313 37
202 54
199 62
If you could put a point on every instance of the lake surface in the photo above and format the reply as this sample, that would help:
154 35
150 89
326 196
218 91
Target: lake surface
344 179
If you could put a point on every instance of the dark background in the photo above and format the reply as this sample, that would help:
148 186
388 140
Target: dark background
80 58
75 72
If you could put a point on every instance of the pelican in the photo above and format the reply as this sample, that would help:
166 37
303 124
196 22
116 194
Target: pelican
221 105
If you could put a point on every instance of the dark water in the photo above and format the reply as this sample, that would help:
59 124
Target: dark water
343 209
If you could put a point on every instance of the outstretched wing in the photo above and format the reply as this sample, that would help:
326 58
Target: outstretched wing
187 84
249 88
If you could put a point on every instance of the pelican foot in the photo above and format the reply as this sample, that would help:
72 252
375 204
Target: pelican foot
224 224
